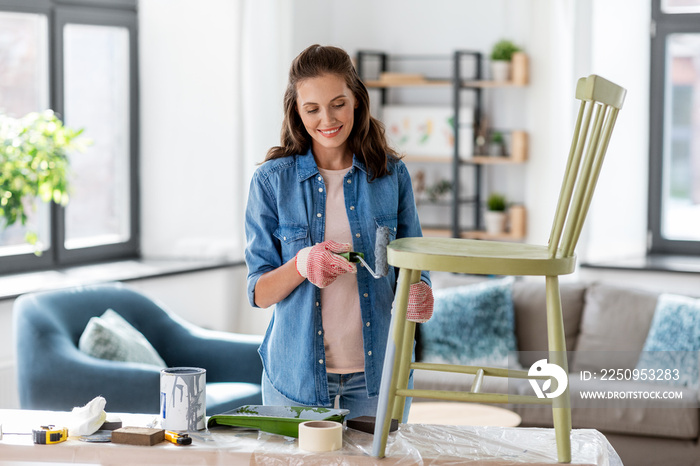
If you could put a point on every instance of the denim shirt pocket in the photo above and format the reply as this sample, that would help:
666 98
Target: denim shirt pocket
389 221
292 238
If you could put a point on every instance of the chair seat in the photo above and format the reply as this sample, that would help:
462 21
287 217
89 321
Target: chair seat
476 256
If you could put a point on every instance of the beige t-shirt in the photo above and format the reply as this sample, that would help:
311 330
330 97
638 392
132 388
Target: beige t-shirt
340 302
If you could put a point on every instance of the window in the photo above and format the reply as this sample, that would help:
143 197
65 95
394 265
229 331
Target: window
79 60
674 171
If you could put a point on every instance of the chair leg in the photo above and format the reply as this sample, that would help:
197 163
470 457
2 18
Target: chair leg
405 354
561 406
392 361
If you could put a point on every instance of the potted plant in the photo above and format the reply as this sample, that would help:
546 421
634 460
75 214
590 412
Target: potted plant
501 55
498 144
34 165
439 190
495 215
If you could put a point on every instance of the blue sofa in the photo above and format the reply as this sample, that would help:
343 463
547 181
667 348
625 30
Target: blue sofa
54 374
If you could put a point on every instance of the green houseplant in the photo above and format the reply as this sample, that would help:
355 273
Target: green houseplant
503 50
501 55
34 164
495 215
498 144
496 202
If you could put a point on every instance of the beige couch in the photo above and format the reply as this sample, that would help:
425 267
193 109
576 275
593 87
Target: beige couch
606 328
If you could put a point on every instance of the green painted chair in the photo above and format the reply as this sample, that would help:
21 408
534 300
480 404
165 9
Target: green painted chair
601 101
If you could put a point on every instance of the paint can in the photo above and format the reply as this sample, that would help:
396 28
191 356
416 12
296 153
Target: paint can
183 398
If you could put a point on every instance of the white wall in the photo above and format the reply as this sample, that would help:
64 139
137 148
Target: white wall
188 75
620 51
212 73
195 168
214 299
189 57
565 39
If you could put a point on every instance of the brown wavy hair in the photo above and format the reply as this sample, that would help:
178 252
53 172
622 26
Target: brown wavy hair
367 139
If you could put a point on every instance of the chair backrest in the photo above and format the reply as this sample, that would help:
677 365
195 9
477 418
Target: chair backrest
601 100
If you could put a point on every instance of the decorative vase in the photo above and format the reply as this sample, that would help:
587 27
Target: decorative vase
520 69
500 70
495 222
517 218
497 149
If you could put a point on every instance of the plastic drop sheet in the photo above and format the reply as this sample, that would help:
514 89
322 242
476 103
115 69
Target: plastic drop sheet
420 444
412 444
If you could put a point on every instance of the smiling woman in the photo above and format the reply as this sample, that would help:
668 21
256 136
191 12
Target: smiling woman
326 190
327 109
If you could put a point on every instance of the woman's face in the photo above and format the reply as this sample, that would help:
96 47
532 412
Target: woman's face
327 108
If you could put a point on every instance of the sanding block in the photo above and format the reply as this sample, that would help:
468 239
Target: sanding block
111 424
138 436
366 424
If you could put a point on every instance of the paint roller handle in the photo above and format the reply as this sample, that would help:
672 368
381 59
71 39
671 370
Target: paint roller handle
355 257
352 256
381 267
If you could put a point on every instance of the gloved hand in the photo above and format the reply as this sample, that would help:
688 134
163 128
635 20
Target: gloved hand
321 264
420 302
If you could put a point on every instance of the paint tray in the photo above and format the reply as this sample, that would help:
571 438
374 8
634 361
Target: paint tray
283 420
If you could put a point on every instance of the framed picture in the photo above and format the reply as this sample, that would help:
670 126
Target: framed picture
427 130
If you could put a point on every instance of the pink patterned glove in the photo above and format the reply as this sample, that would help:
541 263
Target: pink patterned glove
321 264
420 302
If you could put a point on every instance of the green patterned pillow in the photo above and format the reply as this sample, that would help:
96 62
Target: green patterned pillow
471 325
112 337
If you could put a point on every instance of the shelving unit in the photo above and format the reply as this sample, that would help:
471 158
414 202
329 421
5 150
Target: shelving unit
474 83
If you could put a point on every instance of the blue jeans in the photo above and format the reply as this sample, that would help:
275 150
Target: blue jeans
350 389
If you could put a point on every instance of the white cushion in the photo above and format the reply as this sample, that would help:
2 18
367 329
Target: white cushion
112 337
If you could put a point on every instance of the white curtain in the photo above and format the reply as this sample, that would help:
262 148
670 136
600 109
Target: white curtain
571 39
266 37
212 75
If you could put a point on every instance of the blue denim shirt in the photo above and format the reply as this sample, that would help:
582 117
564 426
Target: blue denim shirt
285 213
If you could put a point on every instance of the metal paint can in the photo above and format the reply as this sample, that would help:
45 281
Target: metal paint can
183 398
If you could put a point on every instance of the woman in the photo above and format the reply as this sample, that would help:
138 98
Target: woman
324 191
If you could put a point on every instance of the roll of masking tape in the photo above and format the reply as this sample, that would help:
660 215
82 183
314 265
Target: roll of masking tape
320 435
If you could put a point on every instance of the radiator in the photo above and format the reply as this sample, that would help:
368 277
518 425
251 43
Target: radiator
9 398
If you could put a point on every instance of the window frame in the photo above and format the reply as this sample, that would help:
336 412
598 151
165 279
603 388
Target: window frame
121 13
663 25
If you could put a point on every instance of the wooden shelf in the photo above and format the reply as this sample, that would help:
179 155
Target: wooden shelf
517 228
417 83
483 235
430 158
492 160
473 234
516 140
378 83
517 148
491 84
477 159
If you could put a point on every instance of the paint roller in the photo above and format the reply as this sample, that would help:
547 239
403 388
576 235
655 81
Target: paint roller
381 266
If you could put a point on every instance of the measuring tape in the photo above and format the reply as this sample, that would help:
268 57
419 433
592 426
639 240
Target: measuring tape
47 435
178 439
